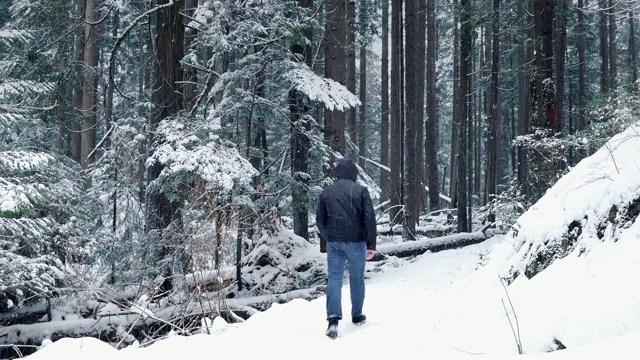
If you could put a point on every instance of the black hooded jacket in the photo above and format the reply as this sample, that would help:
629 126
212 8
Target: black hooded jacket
345 212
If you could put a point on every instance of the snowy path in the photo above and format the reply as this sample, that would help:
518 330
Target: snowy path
443 305
405 306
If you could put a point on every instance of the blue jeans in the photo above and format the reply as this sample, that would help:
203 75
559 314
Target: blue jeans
353 254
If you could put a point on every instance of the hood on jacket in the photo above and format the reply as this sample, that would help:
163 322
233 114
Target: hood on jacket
346 169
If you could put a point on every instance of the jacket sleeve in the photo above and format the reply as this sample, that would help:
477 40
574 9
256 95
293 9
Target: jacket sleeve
321 221
370 229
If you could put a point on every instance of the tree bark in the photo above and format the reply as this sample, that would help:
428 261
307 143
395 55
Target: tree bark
395 135
613 51
604 49
633 54
543 90
582 88
362 125
384 106
89 88
142 74
561 49
352 120
168 101
432 127
190 73
484 107
455 119
108 108
543 27
466 37
76 138
335 68
300 127
493 121
415 12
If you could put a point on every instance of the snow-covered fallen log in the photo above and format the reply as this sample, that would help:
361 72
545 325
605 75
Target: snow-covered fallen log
418 247
263 302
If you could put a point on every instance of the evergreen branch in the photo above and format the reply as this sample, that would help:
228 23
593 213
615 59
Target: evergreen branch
73 29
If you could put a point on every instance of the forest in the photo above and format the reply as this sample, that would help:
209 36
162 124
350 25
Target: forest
160 157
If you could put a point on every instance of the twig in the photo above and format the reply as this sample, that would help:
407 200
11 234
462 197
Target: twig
516 331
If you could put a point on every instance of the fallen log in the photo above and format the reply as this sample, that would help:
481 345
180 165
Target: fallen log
419 247
116 324
431 232
263 302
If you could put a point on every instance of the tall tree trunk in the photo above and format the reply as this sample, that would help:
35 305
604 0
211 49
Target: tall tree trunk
76 137
167 98
466 37
362 126
493 121
300 128
256 153
633 50
432 137
108 107
523 119
352 123
455 120
395 135
415 12
582 87
543 27
335 68
543 92
544 101
89 89
613 51
487 110
514 125
476 124
384 107
605 76
300 143
561 49
142 74
190 72
479 108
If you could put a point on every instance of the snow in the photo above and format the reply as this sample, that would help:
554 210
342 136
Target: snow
457 303
445 304
332 94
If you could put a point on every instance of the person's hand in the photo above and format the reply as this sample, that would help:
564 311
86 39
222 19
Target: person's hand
369 255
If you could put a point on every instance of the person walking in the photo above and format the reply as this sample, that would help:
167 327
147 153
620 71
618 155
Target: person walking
346 221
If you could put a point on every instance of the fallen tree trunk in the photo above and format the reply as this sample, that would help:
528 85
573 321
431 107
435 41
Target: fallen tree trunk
113 326
419 247
431 232
263 302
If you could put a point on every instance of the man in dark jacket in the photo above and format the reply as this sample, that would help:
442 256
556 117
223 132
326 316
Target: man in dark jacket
346 221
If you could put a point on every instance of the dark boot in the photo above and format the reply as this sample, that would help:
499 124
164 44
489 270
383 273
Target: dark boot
359 319
332 329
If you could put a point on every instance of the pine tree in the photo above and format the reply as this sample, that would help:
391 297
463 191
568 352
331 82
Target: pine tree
43 212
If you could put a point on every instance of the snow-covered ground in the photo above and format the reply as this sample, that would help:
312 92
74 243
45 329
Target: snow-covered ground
455 303
447 304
